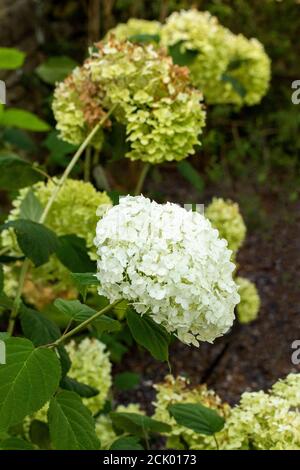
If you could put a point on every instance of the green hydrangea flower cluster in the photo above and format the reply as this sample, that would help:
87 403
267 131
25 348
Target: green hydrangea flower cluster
75 197
133 28
177 390
155 101
248 308
104 426
261 420
225 216
91 366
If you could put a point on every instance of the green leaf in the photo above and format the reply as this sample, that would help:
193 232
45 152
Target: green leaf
36 241
126 380
74 309
126 443
149 334
55 69
31 208
58 148
36 327
83 281
138 424
14 117
180 56
5 302
16 173
81 389
237 63
39 434
28 380
72 252
142 38
106 323
197 417
235 83
191 175
71 424
15 443
11 58
19 139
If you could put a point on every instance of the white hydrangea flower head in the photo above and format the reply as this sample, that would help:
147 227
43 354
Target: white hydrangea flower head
91 365
169 263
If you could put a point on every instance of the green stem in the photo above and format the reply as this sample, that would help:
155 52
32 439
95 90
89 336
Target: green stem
141 180
84 324
26 264
216 441
87 164
17 301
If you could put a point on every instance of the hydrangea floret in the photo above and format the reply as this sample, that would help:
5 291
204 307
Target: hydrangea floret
248 308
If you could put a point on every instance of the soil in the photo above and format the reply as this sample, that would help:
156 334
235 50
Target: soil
253 356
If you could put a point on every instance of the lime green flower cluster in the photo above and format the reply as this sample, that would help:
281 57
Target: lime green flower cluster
248 308
91 366
75 198
261 420
133 28
227 219
177 390
155 101
228 68
104 426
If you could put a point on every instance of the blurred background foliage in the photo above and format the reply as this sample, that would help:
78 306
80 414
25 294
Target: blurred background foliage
255 147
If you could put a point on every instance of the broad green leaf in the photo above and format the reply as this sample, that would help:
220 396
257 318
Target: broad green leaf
71 424
59 149
181 56
16 173
106 323
1 278
36 241
5 302
14 117
142 38
126 443
83 281
149 334
27 380
191 175
15 443
36 327
31 208
55 69
126 380
137 424
81 389
197 417
72 252
11 58
74 309
39 434
20 139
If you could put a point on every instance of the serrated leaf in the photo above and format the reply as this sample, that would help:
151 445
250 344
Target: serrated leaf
74 309
31 208
36 241
71 424
197 417
138 424
15 443
11 58
27 380
83 281
191 175
108 324
16 173
149 334
72 252
126 443
55 69
14 117
83 390
36 327
126 380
